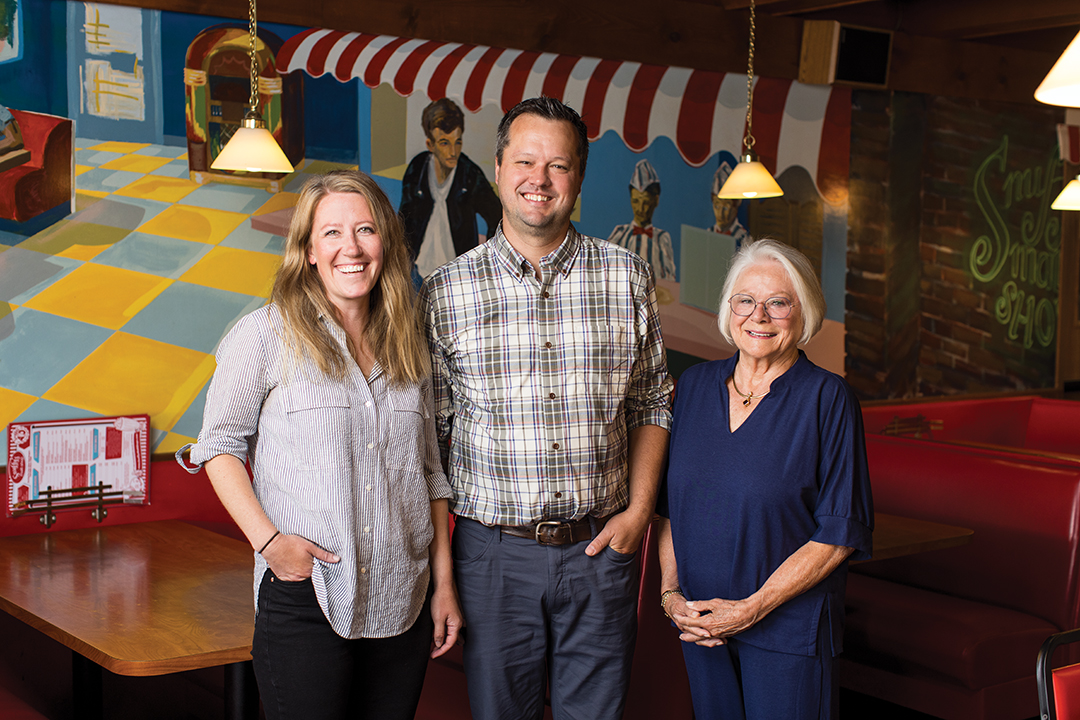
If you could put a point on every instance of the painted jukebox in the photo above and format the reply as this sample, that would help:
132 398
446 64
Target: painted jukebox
217 81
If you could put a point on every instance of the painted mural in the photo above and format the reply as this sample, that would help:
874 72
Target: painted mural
158 263
10 31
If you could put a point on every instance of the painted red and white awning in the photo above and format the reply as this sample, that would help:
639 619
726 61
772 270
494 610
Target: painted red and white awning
701 111
1069 143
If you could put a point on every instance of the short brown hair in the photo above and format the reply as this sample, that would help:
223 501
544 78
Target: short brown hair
443 114
548 109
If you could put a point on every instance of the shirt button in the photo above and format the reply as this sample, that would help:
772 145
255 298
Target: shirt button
367 528
546 295
363 571
547 344
551 395
368 488
556 446
558 495
367 404
370 446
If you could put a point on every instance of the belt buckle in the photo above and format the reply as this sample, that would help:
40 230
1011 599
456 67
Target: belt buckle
552 523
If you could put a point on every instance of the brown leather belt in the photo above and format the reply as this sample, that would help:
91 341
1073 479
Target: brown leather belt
557 532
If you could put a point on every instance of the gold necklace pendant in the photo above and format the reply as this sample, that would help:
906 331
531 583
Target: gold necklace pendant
747 397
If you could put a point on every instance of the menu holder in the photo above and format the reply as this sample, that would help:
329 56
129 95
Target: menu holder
56 465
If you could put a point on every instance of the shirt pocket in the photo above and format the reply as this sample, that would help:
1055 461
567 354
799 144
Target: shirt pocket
615 371
405 435
319 424
601 362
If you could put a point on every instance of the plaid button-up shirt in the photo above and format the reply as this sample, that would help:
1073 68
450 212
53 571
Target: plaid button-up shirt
538 383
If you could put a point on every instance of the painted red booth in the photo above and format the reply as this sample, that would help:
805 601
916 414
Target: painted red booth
955 633
46 180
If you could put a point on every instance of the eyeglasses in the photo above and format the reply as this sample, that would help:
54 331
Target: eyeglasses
776 308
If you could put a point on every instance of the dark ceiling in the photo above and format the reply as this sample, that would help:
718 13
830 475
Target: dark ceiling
1041 25
980 49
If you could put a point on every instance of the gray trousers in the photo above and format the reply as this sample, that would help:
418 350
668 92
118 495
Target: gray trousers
539 616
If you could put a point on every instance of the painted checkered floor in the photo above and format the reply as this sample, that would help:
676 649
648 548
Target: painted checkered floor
119 307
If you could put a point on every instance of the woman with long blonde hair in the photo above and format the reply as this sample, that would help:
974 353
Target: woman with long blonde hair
326 393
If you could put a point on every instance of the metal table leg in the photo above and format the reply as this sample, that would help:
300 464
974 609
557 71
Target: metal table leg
86 688
241 692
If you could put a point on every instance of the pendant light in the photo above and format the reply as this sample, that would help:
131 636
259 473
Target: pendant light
252 148
750 179
1069 199
1061 86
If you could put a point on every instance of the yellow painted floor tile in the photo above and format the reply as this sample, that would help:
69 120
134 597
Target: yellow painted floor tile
242 271
172 442
92 193
80 169
137 163
318 167
160 188
83 252
128 374
394 173
119 147
66 234
186 222
278 201
99 295
12 405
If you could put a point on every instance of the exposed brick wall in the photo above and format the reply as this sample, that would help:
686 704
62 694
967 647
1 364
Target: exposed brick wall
864 309
964 348
918 321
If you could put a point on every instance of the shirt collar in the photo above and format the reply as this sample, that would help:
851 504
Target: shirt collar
338 333
562 259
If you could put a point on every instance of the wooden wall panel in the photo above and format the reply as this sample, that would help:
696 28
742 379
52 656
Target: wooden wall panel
682 33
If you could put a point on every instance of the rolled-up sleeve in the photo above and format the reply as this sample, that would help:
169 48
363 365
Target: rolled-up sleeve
648 398
235 397
442 387
845 509
437 485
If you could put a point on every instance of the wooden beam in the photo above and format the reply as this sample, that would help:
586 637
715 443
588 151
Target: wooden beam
681 33
955 68
792 7
972 19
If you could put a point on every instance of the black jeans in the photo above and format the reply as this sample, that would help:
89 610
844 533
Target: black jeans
306 670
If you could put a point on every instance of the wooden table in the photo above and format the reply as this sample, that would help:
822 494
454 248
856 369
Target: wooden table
142 599
895 536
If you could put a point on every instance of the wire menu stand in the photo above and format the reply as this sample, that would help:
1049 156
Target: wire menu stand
77 464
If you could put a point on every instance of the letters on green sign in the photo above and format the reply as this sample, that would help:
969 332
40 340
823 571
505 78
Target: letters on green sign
1027 301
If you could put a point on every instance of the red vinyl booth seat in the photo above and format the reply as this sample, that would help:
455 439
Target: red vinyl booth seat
1067 691
45 181
1030 423
954 633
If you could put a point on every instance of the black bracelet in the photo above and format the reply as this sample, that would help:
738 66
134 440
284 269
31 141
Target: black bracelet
269 541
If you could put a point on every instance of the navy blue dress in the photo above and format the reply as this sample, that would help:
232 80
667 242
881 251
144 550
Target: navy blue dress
742 502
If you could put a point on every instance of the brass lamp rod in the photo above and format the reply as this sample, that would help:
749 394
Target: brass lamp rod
253 100
748 141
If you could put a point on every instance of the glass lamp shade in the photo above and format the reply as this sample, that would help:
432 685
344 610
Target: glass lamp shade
749 179
252 149
1069 199
1061 86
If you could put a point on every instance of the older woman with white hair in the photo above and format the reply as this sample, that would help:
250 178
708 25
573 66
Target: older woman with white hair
766 498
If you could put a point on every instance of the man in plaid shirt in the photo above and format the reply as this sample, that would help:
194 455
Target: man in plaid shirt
552 403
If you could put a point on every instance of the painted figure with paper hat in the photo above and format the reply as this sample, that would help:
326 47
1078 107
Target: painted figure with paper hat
640 236
726 210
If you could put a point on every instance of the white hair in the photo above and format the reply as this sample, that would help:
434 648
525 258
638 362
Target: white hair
799 270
